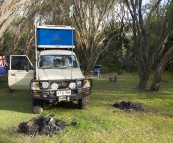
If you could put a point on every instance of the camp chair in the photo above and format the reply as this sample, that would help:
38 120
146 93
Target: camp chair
96 71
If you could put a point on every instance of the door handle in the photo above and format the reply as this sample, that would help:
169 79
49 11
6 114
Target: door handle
12 74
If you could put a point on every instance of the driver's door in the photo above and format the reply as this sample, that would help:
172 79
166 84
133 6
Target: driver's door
20 72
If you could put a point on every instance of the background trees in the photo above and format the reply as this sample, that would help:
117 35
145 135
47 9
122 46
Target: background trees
89 22
120 35
147 51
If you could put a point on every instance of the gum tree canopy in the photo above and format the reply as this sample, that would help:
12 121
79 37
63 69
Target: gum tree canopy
89 22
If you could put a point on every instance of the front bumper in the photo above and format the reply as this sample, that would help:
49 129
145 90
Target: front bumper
50 95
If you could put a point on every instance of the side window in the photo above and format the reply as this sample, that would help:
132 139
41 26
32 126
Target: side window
75 64
20 63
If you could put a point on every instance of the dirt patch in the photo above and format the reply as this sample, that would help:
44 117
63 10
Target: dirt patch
41 126
128 106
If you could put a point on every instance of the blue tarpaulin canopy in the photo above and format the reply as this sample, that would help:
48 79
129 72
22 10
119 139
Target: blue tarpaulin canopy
55 37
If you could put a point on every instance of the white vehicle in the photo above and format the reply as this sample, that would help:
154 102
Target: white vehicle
56 75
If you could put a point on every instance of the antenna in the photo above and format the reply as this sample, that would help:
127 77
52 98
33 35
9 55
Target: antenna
72 51
71 14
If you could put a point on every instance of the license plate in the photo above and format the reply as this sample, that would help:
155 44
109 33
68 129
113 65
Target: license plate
65 92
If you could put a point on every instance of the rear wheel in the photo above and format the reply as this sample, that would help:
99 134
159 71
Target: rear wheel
37 106
84 102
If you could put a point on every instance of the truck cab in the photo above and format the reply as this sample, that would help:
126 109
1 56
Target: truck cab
56 75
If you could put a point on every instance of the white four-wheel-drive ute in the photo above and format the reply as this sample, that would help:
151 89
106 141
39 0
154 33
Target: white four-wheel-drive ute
56 75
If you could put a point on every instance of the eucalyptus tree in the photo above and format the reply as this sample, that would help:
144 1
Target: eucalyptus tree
18 17
93 21
118 54
26 26
145 54
117 50
166 49
90 19
8 11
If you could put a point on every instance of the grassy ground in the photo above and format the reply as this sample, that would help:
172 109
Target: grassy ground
102 122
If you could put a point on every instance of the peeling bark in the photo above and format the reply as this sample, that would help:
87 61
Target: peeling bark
160 68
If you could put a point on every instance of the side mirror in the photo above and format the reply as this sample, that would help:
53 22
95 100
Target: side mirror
81 66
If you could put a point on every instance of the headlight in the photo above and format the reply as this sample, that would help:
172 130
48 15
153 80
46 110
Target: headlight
72 85
54 86
45 84
79 83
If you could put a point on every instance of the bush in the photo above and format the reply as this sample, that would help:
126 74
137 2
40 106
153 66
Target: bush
105 69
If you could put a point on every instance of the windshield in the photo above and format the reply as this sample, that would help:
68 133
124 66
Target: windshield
58 61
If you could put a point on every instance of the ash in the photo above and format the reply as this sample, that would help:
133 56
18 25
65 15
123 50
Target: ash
41 126
127 106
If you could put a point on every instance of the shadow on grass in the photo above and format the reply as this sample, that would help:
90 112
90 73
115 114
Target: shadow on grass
16 101
63 105
21 101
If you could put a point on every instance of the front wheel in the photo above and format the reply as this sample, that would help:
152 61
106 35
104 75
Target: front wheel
37 106
83 103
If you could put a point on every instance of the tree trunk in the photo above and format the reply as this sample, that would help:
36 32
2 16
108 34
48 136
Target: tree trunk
87 69
160 68
156 81
143 79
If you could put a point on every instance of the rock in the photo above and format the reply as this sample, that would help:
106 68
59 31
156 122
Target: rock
113 78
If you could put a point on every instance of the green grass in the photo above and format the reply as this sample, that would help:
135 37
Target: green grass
101 122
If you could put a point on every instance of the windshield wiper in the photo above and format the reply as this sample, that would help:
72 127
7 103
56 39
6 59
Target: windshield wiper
63 67
48 68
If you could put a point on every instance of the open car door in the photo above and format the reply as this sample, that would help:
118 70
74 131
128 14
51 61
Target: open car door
20 72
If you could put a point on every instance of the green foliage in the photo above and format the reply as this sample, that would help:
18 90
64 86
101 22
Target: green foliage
169 42
6 43
105 69
119 53
16 36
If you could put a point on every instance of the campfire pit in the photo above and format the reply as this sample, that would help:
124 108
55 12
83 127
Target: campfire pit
127 106
41 126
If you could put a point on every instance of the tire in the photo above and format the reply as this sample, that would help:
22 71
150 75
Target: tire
83 103
37 106
11 90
